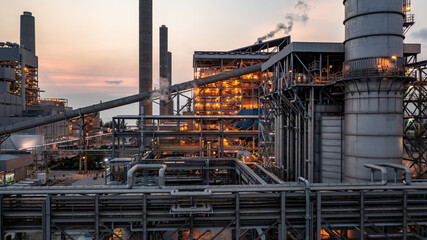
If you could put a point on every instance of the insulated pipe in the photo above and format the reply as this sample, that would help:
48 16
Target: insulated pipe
307 206
404 168
383 170
138 167
126 100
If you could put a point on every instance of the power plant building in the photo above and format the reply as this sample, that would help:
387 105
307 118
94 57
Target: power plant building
281 140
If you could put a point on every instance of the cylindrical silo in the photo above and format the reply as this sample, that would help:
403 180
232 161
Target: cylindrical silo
373 73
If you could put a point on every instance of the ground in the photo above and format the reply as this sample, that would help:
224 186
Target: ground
67 178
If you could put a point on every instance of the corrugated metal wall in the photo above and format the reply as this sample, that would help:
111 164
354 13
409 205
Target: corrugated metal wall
332 149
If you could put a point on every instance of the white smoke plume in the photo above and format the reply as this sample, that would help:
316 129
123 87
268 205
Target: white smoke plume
164 89
301 8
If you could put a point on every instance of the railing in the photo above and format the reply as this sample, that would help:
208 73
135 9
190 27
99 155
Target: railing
373 67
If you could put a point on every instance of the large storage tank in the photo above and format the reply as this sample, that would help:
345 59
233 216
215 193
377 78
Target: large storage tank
373 71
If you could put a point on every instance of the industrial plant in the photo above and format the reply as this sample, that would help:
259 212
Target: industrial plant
280 139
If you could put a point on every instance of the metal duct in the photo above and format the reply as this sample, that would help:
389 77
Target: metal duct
373 72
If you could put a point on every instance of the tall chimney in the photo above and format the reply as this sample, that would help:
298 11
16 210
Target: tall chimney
164 69
373 73
146 52
28 34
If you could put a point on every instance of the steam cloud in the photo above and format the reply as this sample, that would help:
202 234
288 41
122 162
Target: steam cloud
301 7
164 89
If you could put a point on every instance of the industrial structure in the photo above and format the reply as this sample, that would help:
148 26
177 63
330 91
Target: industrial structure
20 65
279 140
146 52
166 105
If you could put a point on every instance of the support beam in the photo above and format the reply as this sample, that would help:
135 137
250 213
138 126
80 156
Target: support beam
1 218
144 216
237 232
362 215
97 217
405 215
266 230
283 228
319 216
48 218
222 230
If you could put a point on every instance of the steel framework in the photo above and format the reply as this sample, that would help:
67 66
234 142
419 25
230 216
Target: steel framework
415 119
286 211
189 135
295 94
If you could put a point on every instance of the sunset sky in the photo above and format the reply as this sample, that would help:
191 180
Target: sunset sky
84 46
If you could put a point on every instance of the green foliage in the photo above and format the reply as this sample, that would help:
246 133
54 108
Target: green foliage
93 163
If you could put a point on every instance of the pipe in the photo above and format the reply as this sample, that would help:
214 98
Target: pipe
406 169
178 208
136 168
384 178
206 192
307 206
126 100
290 187
271 175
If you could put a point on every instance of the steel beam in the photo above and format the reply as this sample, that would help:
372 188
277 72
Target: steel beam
283 228
319 216
144 217
97 217
1 218
237 230
362 215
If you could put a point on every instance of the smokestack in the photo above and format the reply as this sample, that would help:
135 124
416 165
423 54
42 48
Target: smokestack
164 69
28 34
146 52
373 71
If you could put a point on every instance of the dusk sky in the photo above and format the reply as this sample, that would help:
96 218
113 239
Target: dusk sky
84 46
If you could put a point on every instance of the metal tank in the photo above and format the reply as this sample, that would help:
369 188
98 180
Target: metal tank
373 74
